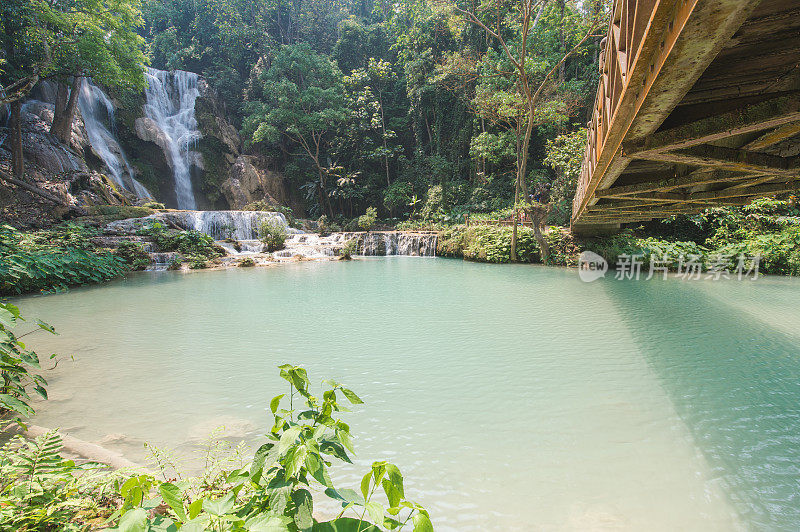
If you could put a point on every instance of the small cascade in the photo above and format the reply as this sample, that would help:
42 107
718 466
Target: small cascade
170 104
396 243
98 119
159 262
238 225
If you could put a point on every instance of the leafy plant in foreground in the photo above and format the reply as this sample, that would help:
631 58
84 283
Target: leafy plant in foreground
40 490
16 363
275 491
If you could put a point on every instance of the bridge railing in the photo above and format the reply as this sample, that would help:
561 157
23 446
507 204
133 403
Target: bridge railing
628 28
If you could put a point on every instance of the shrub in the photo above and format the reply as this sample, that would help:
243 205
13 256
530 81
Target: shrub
247 263
323 227
367 220
17 378
276 490
26 266
272 233
349 249
485 243
153 205
196 263
187 242
134 254
43 491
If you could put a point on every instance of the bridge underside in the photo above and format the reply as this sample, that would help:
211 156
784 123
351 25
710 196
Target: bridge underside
717 121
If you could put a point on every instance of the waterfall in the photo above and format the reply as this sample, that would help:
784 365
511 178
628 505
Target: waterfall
396 243
97 111
170 104
239 225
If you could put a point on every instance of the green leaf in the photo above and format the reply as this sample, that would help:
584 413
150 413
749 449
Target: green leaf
267 522
12 403
344 524
288 438
264 456
344 438
375 511
352 397
422 523
279 499
304 507
195 508
173 496
219 506
392 493
134 520
365 482
276 401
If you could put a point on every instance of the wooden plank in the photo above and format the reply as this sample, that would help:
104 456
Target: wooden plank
774 137
702 176
758 117
727 159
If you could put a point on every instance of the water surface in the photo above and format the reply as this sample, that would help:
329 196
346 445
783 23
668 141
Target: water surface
512 397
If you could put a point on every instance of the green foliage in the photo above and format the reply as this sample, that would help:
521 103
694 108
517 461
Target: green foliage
17 368
565 157
247 262
119 212
52 260
368 219
272 233
153 205
40 490
134 254
276 490
190 243
349 249
487 243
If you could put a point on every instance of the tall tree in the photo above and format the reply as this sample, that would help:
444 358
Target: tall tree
97 39
513 31
300 98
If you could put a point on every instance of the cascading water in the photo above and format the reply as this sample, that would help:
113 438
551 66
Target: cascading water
170 104
239 225
97 111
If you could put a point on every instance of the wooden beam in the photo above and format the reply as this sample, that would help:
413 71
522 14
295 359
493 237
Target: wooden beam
773 137
760 190
703 176
758 117
727 159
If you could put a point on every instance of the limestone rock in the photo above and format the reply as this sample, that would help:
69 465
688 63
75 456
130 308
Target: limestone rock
147 130
248 181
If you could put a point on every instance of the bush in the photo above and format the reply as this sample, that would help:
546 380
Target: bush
26 266
247 263
17 380
272 233
134 255
187 242
367 220
349 249
486 243
153 205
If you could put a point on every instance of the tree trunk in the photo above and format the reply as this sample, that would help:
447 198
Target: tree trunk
61 103
17 159
62 122
514 221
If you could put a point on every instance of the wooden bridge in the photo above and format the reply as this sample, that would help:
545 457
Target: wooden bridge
698 105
